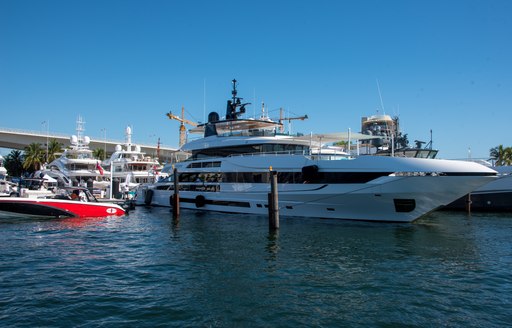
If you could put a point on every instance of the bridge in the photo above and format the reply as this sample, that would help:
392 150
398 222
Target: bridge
19 139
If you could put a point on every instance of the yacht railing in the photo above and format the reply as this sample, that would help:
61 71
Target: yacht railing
306 153
274 153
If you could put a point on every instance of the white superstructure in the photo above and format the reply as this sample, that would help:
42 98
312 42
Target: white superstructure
77 162
229 171
130 166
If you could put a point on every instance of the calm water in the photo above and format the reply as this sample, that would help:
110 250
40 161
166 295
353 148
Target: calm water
221 270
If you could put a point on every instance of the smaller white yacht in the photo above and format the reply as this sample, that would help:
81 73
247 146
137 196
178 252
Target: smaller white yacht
78 164
7 188
129 166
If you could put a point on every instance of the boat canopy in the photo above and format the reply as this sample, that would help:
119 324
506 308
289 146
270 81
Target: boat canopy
227 126
334 137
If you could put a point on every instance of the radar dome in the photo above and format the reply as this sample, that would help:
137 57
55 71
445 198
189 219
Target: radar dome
128 130
213 117
118 148
73 140
87 140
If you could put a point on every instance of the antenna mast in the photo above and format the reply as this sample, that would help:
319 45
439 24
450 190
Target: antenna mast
380 96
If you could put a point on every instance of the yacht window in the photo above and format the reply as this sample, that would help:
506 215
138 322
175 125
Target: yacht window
247 149
204 164
206 177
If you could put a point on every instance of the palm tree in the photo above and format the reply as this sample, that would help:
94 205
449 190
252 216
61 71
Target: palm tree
501 155
14 163
54 149
34 157
99 153
507 156
496 154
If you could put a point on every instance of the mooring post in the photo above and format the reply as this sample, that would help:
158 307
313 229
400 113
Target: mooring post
273 203
176 196
468 204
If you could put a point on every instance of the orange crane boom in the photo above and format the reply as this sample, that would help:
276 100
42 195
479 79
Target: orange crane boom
182 119
289 119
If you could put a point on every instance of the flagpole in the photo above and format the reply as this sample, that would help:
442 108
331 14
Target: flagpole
111 179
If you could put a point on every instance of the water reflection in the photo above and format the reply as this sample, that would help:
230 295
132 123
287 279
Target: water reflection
272 246
216 269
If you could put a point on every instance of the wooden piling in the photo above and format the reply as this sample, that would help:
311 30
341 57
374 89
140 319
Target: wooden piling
273 203
176 196
468 204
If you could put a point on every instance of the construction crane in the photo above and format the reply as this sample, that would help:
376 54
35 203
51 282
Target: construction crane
182 119
289 119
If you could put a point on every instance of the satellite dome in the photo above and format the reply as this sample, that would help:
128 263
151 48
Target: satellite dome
118 148
73 140
87 140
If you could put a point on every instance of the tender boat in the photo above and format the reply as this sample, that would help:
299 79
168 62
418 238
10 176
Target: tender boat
44 186
229 171
61 205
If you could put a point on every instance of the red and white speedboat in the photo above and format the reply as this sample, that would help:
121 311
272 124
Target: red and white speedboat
73 202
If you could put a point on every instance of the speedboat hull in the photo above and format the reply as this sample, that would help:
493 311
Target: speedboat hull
56 208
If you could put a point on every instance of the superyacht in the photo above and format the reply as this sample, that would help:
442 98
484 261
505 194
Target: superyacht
77 165
230 166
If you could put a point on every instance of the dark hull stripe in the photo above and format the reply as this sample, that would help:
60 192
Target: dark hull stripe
217 202
34 209
484 202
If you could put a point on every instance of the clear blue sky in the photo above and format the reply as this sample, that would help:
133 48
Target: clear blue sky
441 65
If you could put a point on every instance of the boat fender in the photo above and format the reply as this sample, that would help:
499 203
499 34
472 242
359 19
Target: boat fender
148 197
200 201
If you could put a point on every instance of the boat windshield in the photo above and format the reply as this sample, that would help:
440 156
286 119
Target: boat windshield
79 194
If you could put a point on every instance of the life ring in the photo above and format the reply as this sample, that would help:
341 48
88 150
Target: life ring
148 197
200 201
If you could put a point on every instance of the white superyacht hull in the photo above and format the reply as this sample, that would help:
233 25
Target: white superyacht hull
390 197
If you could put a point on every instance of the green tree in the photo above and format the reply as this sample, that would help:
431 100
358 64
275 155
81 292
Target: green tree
341 144
14 163
99 153
54 149
34 157
507 157
501 155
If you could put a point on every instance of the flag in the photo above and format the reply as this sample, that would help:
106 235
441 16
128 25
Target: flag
99 168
